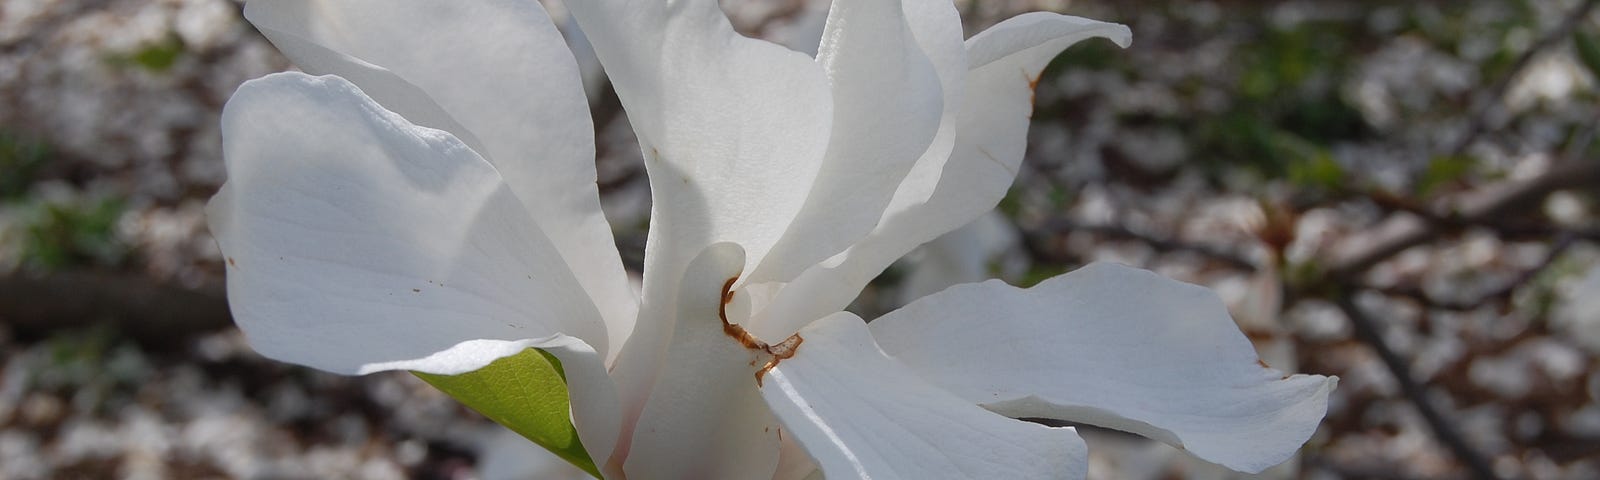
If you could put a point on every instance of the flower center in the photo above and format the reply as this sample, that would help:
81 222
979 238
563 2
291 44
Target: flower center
773 353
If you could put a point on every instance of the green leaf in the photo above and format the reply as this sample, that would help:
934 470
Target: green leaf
527 393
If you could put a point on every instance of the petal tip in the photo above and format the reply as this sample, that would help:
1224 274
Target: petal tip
1121 35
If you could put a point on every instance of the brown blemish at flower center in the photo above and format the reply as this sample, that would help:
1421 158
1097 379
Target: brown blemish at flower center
776 353
734 330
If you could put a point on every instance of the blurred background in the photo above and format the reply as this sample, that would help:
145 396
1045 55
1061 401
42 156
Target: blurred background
1403 194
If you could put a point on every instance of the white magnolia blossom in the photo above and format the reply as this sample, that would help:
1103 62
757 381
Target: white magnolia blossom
429 204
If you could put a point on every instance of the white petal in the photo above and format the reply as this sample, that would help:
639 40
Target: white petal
704 418
861 414
733 130
937 26
1004 62
793 462
355 238
1117 347
357 242
887 101
990 138
497 75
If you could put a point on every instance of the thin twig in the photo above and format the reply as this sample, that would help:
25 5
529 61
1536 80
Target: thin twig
1502 293
1159 243
1491 204
1573 173
1366 331
1480 118
1381 471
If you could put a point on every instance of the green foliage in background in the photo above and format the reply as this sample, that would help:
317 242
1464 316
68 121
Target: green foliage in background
81 232
95 368
157 56
1443 170
20 161
1288 110
1588 48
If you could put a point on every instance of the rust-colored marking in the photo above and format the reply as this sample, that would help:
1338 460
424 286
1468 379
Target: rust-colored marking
232 263
733 330
1033 88
778 352
1263 364
762 373
1258 336
787 348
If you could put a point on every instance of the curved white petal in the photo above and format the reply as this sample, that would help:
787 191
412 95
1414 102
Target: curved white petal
355 238
887 101
497 75
358 242
1112 346
937 26
793 461
861 414
991 135
733 130
705 419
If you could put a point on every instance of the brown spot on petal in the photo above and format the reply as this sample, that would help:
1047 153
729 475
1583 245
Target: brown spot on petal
787 348
780 352
1033 88
232 263
1262 363
734 330
777 352
762 373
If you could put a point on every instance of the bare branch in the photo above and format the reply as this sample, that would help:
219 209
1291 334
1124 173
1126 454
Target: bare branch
1159 243
1366 331
151 313
1486 207
1502 293
1491 101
